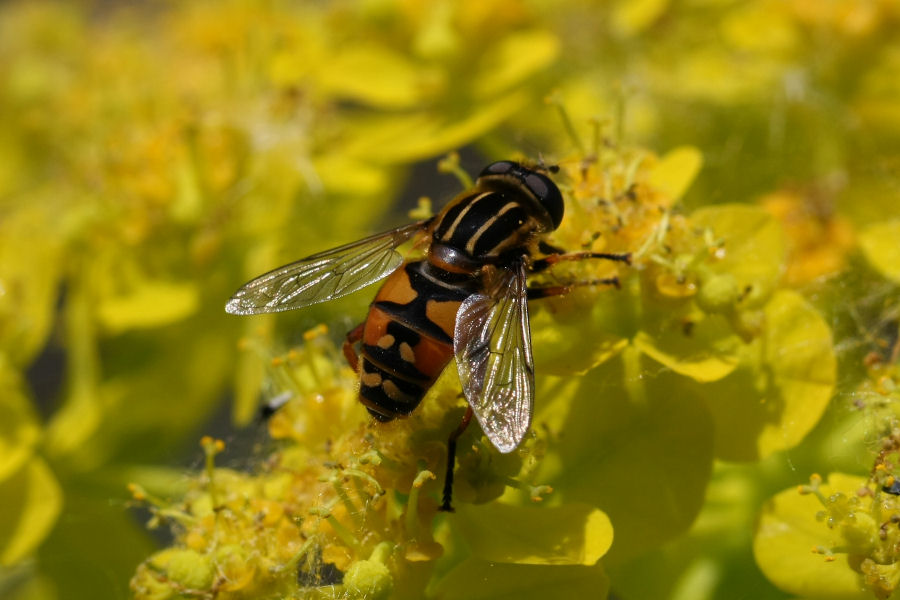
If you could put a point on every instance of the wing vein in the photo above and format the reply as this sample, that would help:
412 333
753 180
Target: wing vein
324 276
493 351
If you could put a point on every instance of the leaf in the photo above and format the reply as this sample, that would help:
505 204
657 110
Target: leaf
476 579
410 137
163 482
572 534
753 247
880 247
74 423
373 74
580 331
93 550
31 501
675 171
782 387
801 357
19 427
141 415
81 412
516 57
700 564
152 304
703 73
341 175
634 16
615 429
249 374
708 352
29 277
787 531
757 28
698 339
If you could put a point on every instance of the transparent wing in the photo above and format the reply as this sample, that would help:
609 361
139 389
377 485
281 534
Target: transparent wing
492 343
324 276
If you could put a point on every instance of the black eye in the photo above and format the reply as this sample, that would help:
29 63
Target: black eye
548 195
537 184
499 168
541 187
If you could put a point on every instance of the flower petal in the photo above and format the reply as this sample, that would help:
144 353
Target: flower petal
572 534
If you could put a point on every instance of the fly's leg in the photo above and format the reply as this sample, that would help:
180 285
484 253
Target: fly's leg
557 255
538 292
545 263
451 460
355 335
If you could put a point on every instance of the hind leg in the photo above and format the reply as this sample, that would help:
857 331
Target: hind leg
350 354
446 506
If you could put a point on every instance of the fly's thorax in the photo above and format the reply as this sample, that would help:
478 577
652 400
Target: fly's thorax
540 192
483 225
452 260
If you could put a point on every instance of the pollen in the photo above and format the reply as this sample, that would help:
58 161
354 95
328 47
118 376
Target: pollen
211 445
137 492
317 331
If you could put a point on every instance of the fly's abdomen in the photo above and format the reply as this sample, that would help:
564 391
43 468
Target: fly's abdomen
408 337
398 365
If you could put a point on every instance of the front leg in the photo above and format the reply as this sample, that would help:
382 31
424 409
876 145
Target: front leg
545 263
548 291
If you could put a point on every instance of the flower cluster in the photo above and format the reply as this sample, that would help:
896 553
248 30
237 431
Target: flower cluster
356 502
853 521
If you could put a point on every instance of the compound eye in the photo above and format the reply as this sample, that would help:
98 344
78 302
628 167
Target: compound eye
537 184
548 195
499 168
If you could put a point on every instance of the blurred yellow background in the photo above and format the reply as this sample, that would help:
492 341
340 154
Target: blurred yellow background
155 155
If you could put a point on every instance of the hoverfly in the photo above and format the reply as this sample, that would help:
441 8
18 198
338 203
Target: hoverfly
468 298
